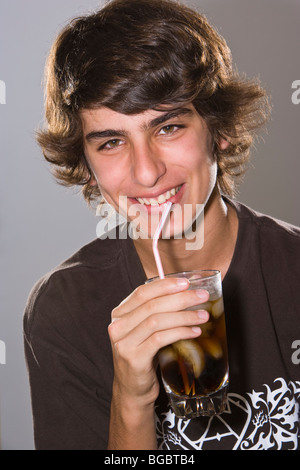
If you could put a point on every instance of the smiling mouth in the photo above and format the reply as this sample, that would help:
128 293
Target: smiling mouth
161 199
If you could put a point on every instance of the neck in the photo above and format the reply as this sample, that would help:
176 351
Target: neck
220 232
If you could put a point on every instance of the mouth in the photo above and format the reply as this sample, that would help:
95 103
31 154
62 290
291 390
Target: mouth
161 199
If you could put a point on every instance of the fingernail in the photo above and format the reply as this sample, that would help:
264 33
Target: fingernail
202 314
202 294
196 330
182 282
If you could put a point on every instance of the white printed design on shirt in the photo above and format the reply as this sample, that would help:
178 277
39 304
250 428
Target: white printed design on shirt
269 419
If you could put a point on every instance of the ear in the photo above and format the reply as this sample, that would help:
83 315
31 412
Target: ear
223 144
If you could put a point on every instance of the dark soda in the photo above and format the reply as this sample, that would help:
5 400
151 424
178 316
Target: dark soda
198 367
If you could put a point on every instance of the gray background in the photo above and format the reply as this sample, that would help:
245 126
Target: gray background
42 223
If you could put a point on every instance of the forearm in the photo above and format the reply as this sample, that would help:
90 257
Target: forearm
132 427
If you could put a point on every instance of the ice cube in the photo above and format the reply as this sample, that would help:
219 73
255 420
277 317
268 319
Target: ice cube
167 355
212 347
217 308
192 353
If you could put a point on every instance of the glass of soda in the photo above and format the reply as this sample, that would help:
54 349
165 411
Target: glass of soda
195 372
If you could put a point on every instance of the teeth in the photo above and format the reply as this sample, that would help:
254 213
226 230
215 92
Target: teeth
161 198
153 202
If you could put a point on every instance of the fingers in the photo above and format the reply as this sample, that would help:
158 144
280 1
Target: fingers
139 347
150 291
162 328
158 296
153 316
168 303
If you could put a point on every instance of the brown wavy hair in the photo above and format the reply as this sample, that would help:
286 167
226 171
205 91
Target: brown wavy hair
135 55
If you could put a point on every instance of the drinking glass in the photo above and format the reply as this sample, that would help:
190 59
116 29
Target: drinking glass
195 372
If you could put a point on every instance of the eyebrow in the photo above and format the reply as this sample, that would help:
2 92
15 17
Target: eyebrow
174 113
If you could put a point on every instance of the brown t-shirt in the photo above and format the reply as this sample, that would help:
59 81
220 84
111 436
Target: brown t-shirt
69 357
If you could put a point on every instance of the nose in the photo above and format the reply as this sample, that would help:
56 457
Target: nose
147 165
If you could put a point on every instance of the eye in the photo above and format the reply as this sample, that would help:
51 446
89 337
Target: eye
170 129
111 144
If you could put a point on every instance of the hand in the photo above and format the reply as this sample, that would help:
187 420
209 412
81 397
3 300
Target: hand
152 317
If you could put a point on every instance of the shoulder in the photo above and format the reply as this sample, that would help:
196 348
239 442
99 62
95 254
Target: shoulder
270 230
276 246
73 284
99 254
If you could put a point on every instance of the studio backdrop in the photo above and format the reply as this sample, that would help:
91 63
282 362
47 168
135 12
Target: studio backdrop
42 223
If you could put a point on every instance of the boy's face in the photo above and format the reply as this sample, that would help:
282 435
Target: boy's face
140 161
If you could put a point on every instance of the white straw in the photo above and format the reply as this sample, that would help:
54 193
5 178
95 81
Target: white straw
156 237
